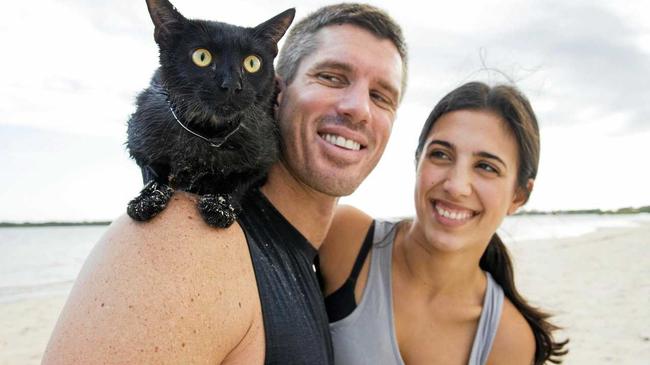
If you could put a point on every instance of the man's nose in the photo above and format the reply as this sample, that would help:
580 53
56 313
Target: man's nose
459 182
355 103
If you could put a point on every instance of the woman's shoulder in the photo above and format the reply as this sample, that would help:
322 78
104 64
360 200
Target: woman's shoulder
341 245
349 226
514 342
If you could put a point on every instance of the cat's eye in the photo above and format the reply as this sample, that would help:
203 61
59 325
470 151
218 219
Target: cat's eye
252 63
202 57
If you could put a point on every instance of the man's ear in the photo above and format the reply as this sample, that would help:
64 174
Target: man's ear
279 92
521 196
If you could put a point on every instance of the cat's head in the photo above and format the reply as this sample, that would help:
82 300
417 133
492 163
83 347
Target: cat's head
211 69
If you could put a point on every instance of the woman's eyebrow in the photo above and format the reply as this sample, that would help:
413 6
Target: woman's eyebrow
483 154
491 157
442 143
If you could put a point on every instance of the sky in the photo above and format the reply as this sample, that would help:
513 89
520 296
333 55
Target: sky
70 71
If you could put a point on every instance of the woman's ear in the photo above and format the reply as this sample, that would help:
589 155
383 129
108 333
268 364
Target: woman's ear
521 196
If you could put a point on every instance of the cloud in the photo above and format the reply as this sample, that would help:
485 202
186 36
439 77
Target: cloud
594 59
576 63
75 68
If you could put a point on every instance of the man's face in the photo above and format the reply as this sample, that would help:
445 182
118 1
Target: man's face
336 115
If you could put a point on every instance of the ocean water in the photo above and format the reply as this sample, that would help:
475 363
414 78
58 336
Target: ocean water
536 227
37 261
41 261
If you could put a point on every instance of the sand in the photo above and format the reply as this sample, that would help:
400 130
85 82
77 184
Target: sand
598 285
25 328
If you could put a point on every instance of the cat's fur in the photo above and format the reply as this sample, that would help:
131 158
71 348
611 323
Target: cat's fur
221 102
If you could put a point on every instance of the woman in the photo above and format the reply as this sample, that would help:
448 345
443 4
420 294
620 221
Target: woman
439 289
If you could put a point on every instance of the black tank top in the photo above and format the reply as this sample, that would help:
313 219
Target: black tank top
296 328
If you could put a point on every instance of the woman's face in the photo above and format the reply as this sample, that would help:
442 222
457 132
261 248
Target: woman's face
466 180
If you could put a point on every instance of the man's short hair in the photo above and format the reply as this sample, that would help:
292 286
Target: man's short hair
301 40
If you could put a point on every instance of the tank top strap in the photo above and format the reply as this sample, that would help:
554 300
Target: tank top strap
379 274
488 322
370 325
363 253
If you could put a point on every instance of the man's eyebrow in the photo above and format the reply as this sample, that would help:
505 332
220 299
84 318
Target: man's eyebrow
333 64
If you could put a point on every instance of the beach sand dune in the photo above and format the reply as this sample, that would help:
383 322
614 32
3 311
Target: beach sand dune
597 285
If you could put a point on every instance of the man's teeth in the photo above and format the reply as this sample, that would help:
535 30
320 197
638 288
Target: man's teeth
453 214
342 142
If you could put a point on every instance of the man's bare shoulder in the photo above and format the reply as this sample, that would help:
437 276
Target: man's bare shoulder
514 342
171 290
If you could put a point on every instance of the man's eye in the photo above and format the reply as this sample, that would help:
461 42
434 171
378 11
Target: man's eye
329 78
383 101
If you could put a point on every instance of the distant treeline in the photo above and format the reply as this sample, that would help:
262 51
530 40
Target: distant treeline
54 224
628 210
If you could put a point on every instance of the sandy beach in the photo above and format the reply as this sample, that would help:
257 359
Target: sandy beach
598 285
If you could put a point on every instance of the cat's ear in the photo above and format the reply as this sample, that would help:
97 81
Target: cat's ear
274 28
166 19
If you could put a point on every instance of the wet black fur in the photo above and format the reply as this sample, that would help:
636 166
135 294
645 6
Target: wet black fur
211 101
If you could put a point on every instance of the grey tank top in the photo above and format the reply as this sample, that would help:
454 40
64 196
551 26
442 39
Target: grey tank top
367 335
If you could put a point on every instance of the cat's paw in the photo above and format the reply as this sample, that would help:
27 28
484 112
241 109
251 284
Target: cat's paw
218 210
152 200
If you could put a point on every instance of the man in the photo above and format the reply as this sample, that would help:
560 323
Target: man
175 290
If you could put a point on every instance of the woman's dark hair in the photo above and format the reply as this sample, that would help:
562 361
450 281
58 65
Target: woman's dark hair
514 109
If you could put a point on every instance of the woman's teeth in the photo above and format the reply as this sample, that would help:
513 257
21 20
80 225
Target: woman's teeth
341 142
451 214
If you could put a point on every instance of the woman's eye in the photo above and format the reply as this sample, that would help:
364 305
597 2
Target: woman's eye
488 168
252 64
202 57
439 155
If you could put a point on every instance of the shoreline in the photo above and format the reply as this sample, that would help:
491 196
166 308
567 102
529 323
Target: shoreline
645 210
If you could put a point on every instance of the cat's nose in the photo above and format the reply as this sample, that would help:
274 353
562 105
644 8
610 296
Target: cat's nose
231 85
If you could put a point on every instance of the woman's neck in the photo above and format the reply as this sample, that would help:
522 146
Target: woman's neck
436 272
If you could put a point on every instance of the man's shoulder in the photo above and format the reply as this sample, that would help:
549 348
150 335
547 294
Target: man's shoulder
179 245
178 237
173 281
180 220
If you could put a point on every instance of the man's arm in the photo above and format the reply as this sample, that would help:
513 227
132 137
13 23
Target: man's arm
172 290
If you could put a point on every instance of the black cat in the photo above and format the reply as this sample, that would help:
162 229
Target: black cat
205 125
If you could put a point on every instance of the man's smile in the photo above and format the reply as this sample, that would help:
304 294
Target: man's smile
341 141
